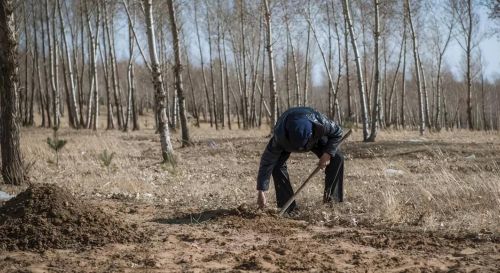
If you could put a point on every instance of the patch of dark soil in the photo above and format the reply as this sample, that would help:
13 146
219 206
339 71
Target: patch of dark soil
46 216
243 217
243 211
411 240
252 263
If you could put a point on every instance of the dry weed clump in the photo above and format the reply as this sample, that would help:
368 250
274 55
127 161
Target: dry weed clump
430 197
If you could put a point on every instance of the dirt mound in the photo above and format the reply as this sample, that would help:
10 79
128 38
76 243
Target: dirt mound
46 216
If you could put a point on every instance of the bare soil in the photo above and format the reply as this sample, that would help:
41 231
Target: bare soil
440 214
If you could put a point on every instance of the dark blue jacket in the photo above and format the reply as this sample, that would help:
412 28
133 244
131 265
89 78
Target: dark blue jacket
326 136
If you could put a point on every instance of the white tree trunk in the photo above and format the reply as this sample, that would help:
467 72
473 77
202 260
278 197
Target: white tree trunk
421 112
361 86
376 98
178 74
166 146
272 80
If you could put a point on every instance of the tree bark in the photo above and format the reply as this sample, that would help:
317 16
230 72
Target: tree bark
333 89
306 69
212 79
272 80
263 83
468 53
424 93
228 101
294 63
287 74
113 67
485 126
106 67
186 141
350 113
24 114
46 101
131 114
30 113
361 86
220 36
254 71
53 65
81 99
403 77
196 114
38 70
73 106
376 98
421 112
245 103
166 146
12 163
93 101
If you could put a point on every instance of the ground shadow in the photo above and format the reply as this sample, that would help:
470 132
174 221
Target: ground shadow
197 218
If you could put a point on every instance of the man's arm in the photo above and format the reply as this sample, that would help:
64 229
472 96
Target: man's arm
267 162
334 134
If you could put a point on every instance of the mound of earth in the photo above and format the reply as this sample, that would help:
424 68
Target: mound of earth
47 216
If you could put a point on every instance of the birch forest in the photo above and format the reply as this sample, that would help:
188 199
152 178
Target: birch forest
238 64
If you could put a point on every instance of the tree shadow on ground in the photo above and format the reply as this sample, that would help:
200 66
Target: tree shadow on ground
197 218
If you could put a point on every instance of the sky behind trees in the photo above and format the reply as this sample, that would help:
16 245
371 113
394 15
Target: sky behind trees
454 56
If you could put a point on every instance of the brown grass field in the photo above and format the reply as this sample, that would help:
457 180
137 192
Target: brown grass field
413 204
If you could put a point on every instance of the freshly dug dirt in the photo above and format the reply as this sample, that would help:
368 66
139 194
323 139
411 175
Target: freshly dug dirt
46 216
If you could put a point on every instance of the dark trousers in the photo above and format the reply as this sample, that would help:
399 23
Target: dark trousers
334 180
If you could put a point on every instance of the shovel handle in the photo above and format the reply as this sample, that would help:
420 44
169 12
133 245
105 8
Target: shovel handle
289 202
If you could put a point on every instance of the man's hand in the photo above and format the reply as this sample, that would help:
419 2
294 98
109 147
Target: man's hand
261 199
324 160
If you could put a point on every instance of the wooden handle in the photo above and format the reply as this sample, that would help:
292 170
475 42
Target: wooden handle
289 202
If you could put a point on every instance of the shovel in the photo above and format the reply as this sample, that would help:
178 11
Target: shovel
314 172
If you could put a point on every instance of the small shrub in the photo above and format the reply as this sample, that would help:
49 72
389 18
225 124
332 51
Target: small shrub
56 144
106 158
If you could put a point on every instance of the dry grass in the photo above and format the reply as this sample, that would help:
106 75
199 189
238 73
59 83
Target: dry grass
436 187
450 182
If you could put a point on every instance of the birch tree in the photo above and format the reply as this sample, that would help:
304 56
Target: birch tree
161 113
93 101
178 73
131 114
269 47
294 62
376 98
109 29
220 37
361 86
53 65
211 66
421 112
468 34
72 106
